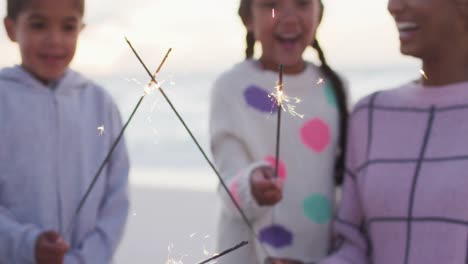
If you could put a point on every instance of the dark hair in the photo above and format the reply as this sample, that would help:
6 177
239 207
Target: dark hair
335 81
15 7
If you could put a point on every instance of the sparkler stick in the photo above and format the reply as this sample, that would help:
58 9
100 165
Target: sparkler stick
278 124
224 252
111 150
223 184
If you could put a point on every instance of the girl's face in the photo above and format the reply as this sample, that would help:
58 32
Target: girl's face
284 29
431 28
47 33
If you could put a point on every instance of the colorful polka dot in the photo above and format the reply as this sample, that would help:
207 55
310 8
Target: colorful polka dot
316 135
260 100
276 236
234 189
282 174
330 94
318 209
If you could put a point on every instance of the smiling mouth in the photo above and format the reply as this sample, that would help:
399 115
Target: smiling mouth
407 26
288 39
52 58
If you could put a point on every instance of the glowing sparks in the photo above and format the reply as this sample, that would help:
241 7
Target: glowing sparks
101 130
286 103
152 86
171 260
205 252
423 74
320 81
273 13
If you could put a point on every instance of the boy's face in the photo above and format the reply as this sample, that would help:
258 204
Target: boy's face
47 33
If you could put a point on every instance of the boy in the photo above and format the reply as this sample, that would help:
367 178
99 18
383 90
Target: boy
50 145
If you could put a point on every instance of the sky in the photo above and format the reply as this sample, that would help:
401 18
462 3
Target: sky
208 36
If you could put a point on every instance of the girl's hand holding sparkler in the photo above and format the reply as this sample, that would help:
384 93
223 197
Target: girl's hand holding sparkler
50 248
282 261
266 189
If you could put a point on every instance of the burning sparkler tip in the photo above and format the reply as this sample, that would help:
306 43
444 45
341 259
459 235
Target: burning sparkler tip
423 74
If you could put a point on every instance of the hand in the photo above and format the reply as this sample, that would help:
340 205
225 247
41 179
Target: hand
265 189
282 261
50 248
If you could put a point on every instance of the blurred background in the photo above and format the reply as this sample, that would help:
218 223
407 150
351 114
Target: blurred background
173 191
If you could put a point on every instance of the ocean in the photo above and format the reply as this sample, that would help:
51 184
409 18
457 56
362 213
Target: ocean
158 142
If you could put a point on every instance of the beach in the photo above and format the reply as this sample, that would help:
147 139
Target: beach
174 205
169 222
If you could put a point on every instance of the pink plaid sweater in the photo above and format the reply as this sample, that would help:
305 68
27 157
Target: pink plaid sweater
405 198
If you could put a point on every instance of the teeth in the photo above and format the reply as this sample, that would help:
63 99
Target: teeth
288 36
407 25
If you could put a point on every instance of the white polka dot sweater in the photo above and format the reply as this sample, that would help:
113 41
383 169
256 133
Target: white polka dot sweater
243 137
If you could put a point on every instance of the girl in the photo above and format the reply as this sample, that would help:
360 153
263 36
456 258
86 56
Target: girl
405 195
50 148
291 217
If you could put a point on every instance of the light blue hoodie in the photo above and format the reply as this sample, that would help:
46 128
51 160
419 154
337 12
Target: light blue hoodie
50 149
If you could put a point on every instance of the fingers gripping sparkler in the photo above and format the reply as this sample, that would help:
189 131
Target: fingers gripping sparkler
223 184
111 150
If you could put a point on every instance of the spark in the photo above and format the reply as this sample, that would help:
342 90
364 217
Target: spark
192 235
152 86
101 130
423 74
171 260
285 102
320 81
205 251
273 13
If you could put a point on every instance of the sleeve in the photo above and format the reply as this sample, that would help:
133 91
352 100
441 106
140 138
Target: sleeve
231 155
349 236
17 241
100 245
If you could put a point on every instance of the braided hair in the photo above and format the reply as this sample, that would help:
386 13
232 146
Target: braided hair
340 95
335 81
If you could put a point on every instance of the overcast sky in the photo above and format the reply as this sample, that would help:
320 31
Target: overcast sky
207 35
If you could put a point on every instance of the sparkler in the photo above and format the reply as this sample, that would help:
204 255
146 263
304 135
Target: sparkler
423 74
284 102
279 100
111 150
224 253
223 184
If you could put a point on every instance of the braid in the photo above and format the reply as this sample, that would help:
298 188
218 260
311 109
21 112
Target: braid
250 40
338 89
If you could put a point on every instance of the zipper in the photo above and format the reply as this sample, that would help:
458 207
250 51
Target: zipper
57 139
